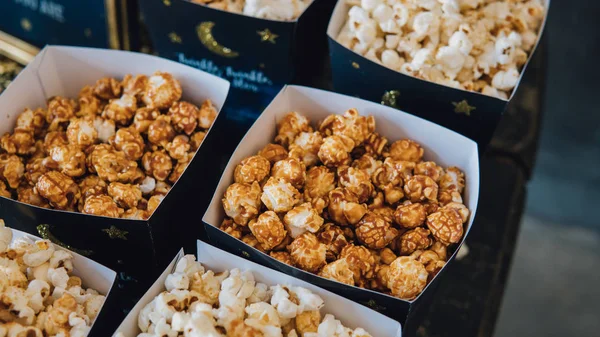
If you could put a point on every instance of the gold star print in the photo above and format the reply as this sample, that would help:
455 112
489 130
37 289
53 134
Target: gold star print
390 98
167 2
267 36
463 107
115 233
355 65
87 32
174 37
26 24
44 231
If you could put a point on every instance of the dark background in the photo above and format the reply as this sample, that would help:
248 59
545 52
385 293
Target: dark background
556 268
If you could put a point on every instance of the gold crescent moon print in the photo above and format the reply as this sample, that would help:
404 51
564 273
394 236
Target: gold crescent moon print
206 37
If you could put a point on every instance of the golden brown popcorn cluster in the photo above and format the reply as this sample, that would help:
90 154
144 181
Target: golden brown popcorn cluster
344 202
114 151
39 295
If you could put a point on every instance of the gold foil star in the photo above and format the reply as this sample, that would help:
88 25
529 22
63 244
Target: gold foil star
267 36
26 24
167 2
174 37
115 233
355 65
390 98
463 107
87 32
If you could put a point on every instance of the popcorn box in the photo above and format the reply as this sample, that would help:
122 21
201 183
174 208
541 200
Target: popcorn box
445 147
93 275
472 114
351 314
258 56
95 23
134 248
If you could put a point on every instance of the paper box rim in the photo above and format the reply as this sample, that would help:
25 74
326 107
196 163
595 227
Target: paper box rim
158 286
97 266
338 20
291 22
216 199
38 62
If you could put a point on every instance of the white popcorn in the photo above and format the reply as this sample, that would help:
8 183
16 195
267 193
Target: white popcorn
163 329
360 332
283 10
144 316
504 49
367 32
105 127
390 26
207 286
177 281
260 294
491 91
450 6
451 60
163 306
62 258
370 5
391 59
263 317
188 265
378 43
423 23
308 301
93 304
201 326
58 277
391 41
38 253
401 14
460 41
357 17
5 237
421 58
148 185
360 48
382 13
371 54
37 292
180 320
506 80
281 301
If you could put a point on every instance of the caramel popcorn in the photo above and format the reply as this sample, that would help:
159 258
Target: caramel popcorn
231 228
183 116
21 142
307 252
284 257
360 260
306 147
319 182
251 169
81 133
4 192
268 230
478 45
338 271
350 125
290 127
30 196
129 141
207 114
108 88
446 225
406 278
68 159
279 195
32 120
335 151
356 181
102 205
59 189
348 225
108 135
333 237
125 195
157 164
302 218
242 202
60 110
374 232
161 91
414 239
11 169
344 207
291 170
410 215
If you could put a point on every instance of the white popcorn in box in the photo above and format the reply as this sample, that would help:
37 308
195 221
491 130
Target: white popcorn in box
465 40
244 307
